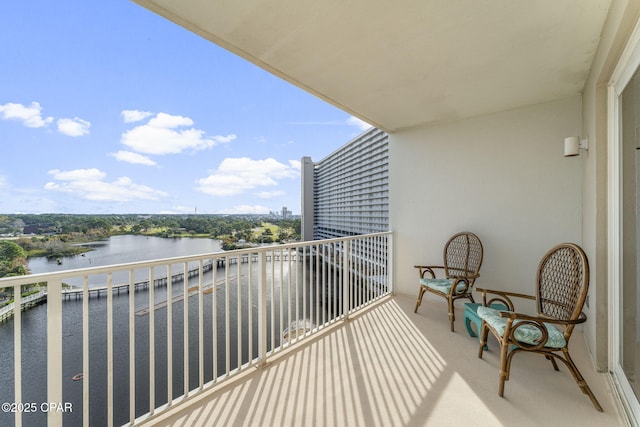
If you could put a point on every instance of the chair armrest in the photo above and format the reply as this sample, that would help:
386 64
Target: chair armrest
503 297
466 276
520 316
468 283
505 293
422 269
536 322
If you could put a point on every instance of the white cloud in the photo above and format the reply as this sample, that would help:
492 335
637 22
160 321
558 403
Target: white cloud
78 174
224 139
361 124
295 164
246 209
238 175
135 158
179 210
73 127
89 184
130 116
30 116
26 200
164 134
269 194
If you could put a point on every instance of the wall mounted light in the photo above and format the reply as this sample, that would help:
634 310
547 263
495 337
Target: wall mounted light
573 145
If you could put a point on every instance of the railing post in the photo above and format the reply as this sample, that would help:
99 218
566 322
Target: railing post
109 350
132 348
54 350
389 264
262 309
345 279
185 329
17 349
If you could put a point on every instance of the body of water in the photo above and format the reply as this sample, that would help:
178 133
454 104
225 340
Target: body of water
125 249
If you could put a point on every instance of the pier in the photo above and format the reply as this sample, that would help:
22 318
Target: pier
27 302
178 277
95 291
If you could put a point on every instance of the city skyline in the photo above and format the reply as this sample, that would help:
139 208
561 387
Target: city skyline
108 108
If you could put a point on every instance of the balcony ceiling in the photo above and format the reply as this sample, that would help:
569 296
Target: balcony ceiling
402 64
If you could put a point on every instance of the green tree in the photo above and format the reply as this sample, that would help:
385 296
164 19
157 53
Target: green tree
267 236
10 250
13 259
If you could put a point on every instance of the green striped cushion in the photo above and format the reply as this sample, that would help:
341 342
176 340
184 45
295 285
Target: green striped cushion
442 285
526 333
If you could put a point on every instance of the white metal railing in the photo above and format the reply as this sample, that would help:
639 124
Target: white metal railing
158 338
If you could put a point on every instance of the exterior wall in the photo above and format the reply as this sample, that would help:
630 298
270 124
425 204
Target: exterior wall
502 176
594 223
307 199
350 191
620 21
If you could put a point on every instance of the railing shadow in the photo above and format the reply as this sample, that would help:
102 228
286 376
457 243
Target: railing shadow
387 366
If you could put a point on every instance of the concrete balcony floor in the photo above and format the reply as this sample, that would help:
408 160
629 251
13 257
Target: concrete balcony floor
388 366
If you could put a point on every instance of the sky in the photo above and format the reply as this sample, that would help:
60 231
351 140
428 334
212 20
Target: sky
108 108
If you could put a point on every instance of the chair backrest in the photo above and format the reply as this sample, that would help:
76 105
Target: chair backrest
463 255
563 282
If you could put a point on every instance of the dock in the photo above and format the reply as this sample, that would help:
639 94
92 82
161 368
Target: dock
27 302
95 291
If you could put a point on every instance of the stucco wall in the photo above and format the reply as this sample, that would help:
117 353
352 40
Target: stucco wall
618 26
502 176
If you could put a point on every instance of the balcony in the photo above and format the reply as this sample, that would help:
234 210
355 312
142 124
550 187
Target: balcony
299 334
125 343
387 366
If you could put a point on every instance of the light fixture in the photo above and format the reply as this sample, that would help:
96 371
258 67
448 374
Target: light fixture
573 145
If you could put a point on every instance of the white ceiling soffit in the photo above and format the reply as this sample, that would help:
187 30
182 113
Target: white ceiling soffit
399 64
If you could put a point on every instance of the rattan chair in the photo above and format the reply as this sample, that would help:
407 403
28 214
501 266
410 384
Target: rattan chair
462 261
562 286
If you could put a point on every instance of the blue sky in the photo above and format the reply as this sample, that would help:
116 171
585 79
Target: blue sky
106 107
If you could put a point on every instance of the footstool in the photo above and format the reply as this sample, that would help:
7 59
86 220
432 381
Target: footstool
471 315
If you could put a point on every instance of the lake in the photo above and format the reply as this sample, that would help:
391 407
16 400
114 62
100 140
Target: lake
125 249
118 250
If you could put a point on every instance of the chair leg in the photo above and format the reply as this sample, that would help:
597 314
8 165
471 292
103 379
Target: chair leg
505 365
580 380
420 294
484 334
452 314
553 362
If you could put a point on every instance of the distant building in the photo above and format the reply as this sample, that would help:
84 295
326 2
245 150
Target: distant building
286 213
40 229
347 192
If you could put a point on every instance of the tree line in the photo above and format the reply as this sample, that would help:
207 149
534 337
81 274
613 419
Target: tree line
52 235
214 226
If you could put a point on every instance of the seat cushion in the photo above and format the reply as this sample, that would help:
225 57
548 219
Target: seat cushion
442 285
526 333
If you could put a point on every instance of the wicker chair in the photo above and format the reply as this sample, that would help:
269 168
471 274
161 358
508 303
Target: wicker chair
462 261
562 285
